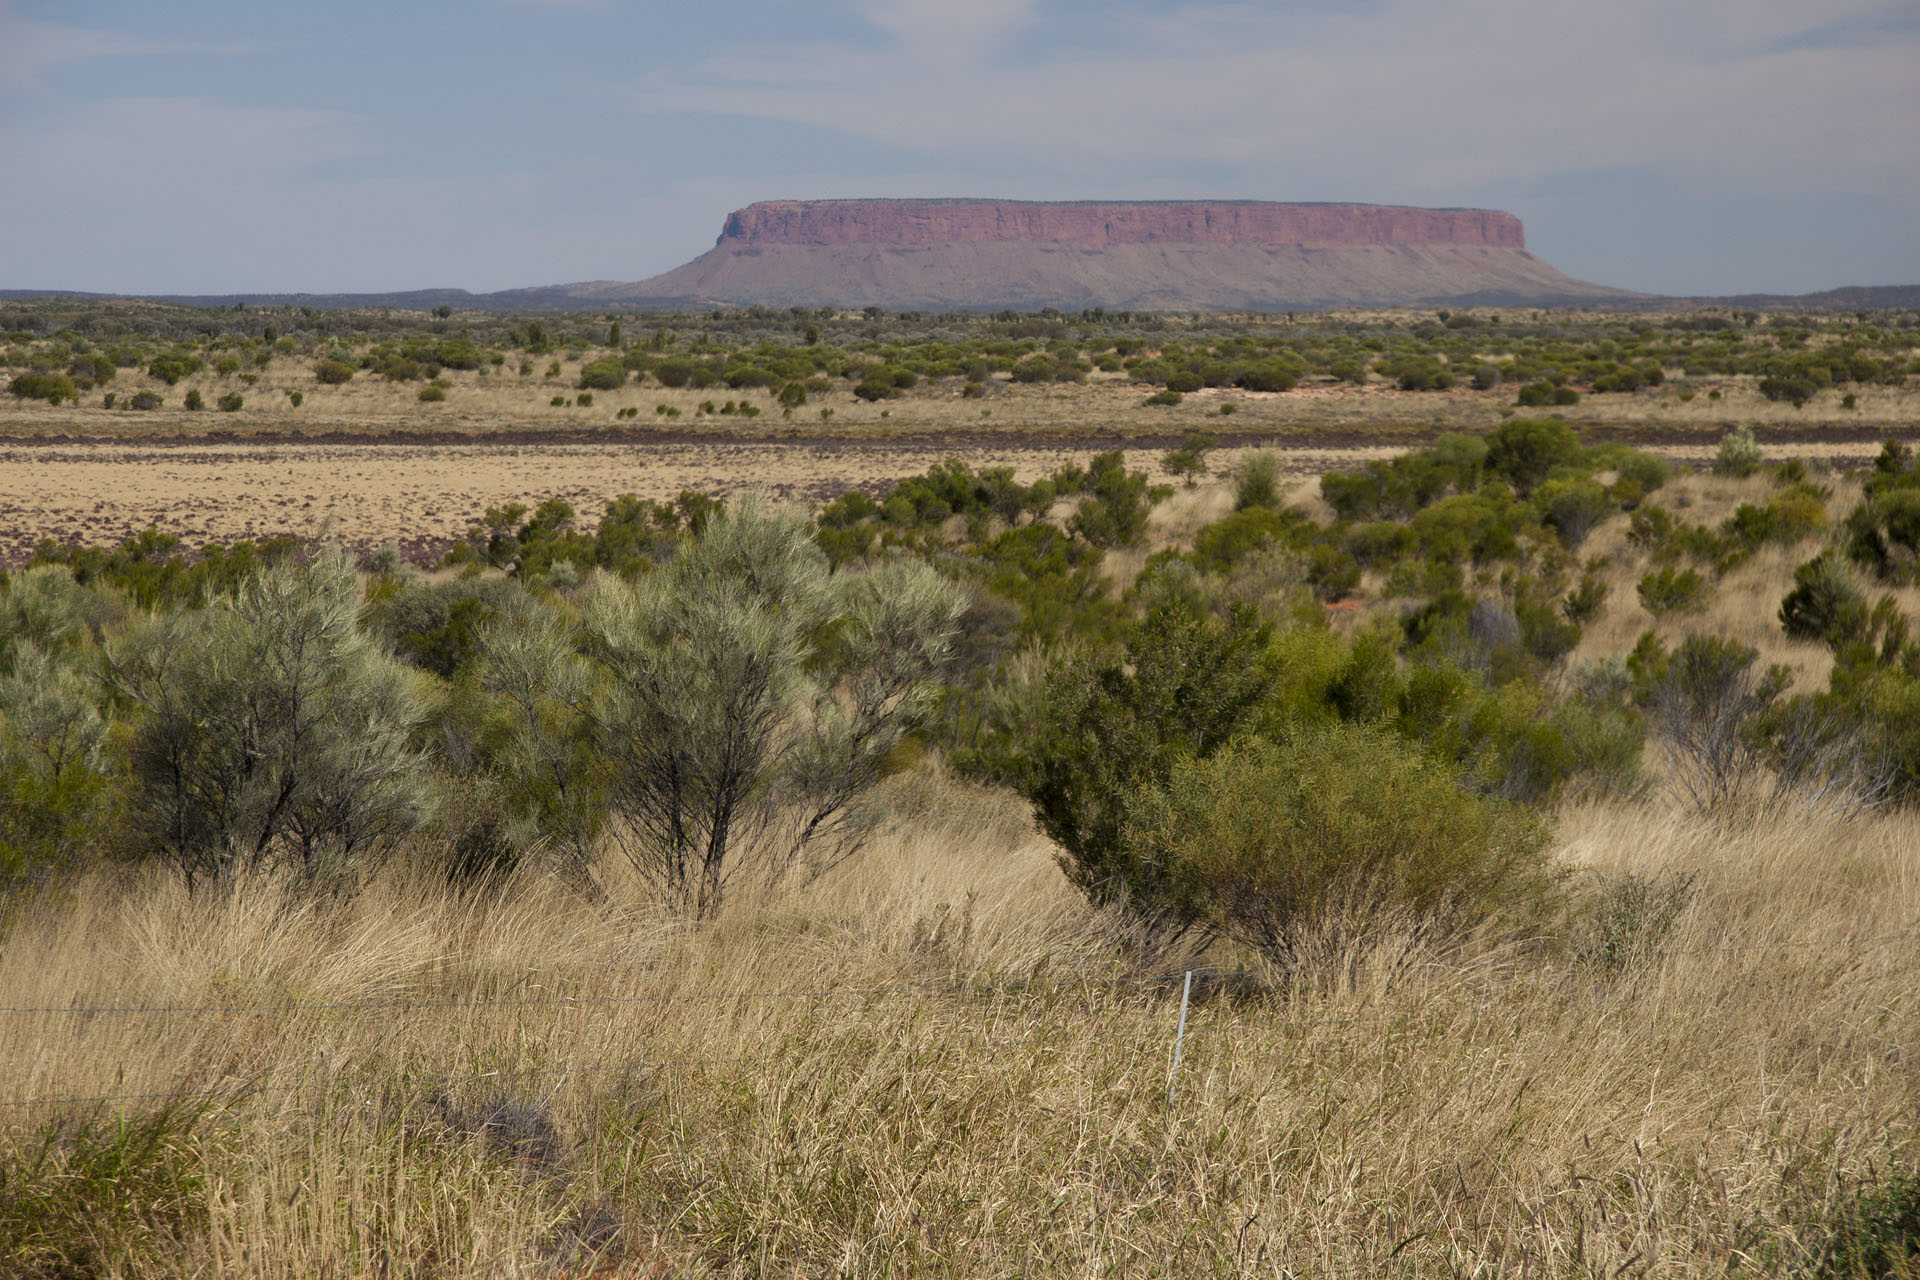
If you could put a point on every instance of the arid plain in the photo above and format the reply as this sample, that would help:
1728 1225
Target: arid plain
369 463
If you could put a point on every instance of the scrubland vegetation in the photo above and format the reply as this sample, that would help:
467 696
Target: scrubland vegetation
796 363
728 887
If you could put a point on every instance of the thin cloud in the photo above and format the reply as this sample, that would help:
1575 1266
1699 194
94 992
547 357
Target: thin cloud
1428 96
30 48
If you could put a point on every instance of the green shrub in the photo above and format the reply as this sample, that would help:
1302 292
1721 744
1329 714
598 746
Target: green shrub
1257 482
750 699
1572 508
1788 518
175 365
1646 472
1421 373
1584 603
584 399
145 400
1331 572
1884 533
332 373
1269 375
1341 828
51 387
1670 590
1876 1229
1168 397
602 375
296 398
1109 731
1630 919
1526 450
1114 512
433 393
1824 604
195 400
1739 454
232 402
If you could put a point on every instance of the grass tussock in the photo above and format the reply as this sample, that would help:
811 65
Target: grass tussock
1703 1067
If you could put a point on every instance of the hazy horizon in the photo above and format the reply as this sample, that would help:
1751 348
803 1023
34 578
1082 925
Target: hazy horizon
219 148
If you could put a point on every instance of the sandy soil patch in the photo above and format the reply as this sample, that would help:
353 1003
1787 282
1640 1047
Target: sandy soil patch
424 496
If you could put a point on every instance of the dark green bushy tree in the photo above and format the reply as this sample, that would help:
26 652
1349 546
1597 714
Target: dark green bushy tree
1111 729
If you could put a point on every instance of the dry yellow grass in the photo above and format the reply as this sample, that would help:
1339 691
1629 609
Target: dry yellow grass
1698 1112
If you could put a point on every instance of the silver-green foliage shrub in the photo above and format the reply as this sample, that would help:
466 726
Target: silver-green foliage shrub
271 728
51 726
733 705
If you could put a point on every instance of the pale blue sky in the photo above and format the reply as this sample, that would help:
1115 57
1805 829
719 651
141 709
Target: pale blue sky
203 146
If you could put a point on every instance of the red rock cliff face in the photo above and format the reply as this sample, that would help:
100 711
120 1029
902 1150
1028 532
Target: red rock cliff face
931 222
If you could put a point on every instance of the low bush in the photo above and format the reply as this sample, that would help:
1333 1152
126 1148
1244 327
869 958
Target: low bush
1525 451
1670 590
1739 454
51 387
1340 827
175 365
602 375
1824 604
1257 483
333 373
232 402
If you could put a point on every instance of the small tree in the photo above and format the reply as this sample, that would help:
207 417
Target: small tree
741 699
1114 514
1189 461
271 728
1109 731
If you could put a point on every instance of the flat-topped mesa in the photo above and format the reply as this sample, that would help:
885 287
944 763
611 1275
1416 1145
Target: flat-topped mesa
1154 255
912 223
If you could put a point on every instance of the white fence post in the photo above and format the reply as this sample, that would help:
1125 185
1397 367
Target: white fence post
1179 1036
